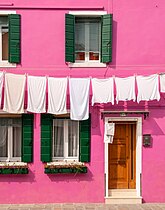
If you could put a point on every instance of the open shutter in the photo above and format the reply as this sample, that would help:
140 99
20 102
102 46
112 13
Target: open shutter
46 137
27 137
85 143
69 38
14 38
106 39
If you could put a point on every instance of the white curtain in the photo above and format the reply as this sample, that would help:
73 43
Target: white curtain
16 142
65 132
58 144
8 125
72 138
3 141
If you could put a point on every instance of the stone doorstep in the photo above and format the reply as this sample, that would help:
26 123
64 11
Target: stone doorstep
123 200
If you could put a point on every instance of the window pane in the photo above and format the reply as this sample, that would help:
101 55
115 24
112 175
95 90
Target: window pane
79 36
3 141
94 36
7 134
87 38
58 140
73 139
4 43
16 142
3 20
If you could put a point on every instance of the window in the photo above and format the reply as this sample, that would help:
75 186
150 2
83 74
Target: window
9 38
64 139
4 37
10 139
88 38
16 136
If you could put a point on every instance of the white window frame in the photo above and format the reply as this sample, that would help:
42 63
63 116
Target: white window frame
66 142
87 63
10 148
5 63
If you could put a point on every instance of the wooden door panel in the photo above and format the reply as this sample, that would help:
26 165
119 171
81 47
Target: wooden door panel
119 158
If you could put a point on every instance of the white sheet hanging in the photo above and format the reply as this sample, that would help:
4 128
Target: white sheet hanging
1 85
148 88
125 89
109 132
14 91
162 83
57 90
103 90
36 94
79 98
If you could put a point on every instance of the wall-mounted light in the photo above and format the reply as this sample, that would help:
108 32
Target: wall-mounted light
147 140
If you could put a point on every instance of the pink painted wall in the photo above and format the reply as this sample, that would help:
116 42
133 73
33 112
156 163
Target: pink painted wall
138 48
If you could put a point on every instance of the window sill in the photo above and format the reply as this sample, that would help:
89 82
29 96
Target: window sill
13 168
7 64
86 65
65 168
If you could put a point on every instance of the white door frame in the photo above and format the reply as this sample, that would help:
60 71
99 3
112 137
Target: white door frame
138 121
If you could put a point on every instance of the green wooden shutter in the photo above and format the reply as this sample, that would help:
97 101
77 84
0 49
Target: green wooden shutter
14 38
46 137
85 143
106 39
69 38
27 137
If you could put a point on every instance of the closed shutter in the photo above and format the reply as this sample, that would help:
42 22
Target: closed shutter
69 38
27 137
106 39
14 38
46 137
85 143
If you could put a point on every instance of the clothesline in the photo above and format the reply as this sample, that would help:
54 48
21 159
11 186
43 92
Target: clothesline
102 92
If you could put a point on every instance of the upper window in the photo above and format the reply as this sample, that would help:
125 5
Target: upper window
88 39
16 138
4 29
9 38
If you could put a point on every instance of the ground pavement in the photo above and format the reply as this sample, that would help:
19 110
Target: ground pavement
81 207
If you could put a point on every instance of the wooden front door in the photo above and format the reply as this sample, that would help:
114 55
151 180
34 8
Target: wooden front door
122 157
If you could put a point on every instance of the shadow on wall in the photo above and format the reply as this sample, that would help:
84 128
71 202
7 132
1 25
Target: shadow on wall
114 47
19 178
154 126
95 120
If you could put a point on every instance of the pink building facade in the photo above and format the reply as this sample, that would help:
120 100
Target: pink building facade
128 170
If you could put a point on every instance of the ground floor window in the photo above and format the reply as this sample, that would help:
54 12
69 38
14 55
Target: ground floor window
65 139
10 139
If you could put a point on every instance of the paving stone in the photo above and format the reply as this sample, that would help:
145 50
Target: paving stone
85 206
79 207
111 207
54 208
